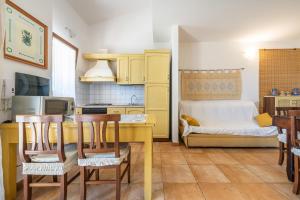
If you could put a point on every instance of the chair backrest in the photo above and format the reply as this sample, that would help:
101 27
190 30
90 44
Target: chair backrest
294 116
39 132
98 140
283 111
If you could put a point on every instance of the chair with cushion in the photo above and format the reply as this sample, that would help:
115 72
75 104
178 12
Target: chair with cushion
98 153
295 128
43 158
282 138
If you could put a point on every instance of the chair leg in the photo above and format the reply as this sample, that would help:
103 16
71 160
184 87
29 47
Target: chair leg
296 187
54 178
97 174
118 182
129 164
281 153
82 183
27 189
63 186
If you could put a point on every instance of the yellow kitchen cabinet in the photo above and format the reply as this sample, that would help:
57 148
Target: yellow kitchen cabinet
78 111
131 69
157 85
123 70
133 110
157 66
157 99
137 69
116 110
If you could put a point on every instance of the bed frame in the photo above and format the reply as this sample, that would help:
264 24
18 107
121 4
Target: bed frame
210 140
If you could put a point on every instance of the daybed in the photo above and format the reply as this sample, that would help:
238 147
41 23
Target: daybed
225 123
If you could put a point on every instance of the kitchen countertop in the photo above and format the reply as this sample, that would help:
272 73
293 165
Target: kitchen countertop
112 106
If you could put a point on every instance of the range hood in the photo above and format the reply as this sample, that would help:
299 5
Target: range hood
101 72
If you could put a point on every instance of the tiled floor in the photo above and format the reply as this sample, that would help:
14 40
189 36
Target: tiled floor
196 174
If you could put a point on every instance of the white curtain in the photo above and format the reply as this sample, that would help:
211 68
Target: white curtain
63 71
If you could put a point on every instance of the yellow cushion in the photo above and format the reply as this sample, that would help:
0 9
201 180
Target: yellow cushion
190 120
264 120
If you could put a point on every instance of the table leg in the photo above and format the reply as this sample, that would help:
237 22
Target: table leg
9 164
148 164
290 158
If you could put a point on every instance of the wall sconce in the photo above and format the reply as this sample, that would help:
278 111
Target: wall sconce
250 53
70 32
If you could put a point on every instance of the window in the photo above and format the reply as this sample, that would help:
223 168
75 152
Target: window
64 67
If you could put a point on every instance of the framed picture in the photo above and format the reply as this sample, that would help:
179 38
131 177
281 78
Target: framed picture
26 38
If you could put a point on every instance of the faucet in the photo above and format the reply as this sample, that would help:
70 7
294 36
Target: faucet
131 99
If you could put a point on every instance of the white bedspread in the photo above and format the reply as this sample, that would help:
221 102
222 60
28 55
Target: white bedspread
233 117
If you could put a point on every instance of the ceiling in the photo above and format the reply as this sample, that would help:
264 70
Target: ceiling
95 11
206 20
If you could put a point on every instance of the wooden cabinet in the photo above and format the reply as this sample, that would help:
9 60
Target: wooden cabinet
116 110
135 110
157 87
272 102
131 69
123 70
157 67
136 69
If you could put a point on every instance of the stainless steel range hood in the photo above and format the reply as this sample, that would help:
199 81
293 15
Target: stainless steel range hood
101 72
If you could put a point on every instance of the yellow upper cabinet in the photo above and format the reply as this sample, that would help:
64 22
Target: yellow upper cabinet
123 70
131 69
136 69
156 70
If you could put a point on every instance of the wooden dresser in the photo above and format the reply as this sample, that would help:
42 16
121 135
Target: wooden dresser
271 102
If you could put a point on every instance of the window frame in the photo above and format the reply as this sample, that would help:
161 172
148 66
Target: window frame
56 36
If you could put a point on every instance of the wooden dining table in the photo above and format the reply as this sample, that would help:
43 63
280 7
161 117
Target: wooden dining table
284 122
130 131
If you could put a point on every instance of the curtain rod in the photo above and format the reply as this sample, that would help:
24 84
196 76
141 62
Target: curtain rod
192 70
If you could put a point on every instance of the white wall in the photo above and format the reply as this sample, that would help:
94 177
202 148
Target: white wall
175 84
65 16
215 55
131 33
42 11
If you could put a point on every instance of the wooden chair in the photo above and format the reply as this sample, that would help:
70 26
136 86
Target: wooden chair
42 158
283 111
295 128
98 153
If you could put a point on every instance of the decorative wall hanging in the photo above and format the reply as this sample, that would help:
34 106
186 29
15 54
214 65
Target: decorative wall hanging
211 85
26 38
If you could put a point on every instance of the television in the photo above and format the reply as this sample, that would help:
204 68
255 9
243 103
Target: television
29 85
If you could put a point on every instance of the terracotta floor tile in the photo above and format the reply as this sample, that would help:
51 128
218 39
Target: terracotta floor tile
191 150
136 192
173 158
260 191
268 173
221 191
222 158
169 147
209 174
246 158
137 175
156 147
137 147
239 174
197 158
156 159
286 189
177 174
182 191
270 157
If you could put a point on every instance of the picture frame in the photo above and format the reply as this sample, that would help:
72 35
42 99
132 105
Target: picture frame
26 38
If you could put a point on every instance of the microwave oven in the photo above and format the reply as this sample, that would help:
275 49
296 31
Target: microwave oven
42 105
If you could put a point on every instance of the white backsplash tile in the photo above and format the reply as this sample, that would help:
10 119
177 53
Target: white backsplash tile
110 93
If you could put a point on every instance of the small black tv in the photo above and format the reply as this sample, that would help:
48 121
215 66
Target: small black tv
29 85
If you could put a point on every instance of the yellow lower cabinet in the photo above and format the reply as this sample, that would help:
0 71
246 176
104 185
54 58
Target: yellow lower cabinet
161 128
135 110
116 110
